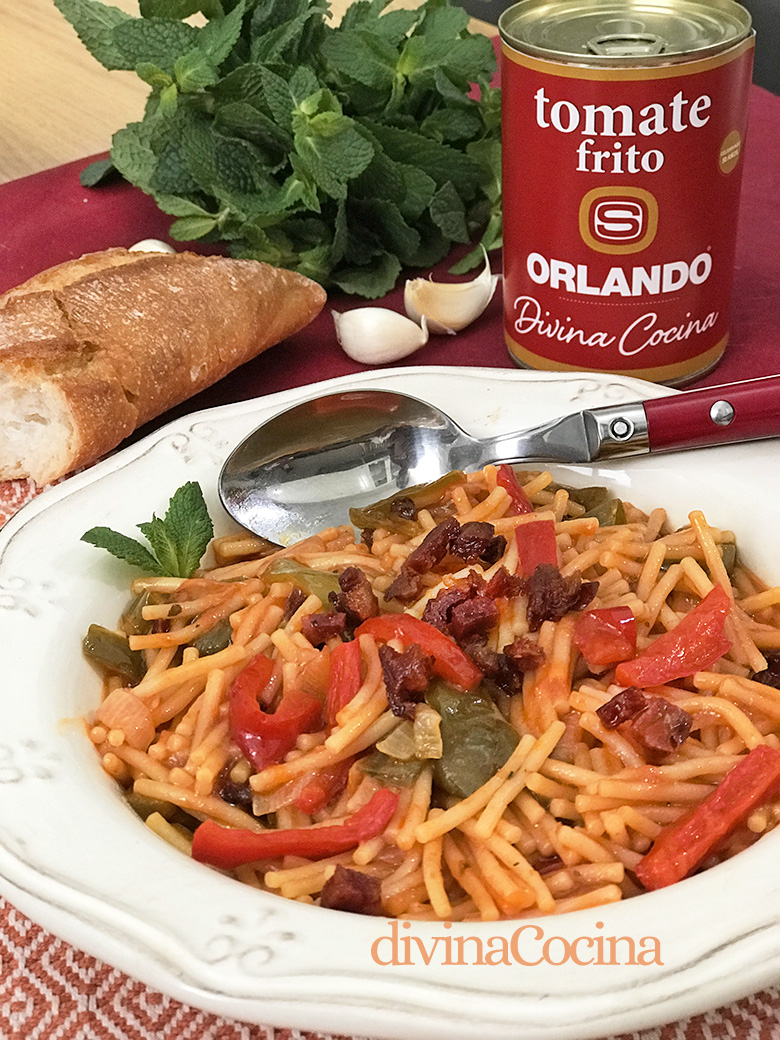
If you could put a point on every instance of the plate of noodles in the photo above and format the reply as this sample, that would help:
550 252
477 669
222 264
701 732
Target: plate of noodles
462 766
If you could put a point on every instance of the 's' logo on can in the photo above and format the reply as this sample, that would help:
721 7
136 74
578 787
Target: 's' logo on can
618 219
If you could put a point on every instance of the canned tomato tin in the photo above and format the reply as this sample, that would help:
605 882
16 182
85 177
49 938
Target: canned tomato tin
623 131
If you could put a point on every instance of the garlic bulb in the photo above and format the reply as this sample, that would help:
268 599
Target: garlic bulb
375 335
151 245
450 306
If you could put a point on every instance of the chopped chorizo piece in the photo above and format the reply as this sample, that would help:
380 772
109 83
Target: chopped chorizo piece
434 547
770 676
294 600
406 587
356 599
551 596
504 585
438 610
406 678
236 794
367 537
477 614
353 891
498 668
661 727
545 865
404 508
231 792
478 541
525 654
319 628
656 724
622 707
565 749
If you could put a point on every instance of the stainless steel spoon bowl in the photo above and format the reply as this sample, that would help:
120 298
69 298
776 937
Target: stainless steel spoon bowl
303 469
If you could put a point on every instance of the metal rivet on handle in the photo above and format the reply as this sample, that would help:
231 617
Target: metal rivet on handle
621 429
722 413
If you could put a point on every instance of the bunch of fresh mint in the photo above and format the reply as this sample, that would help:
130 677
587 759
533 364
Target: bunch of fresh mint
344 152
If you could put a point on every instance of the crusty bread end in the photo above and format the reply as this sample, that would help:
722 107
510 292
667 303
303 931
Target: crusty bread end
95 347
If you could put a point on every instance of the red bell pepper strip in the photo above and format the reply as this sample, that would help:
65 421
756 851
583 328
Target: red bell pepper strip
605 635
682 847
266 737
323 787
696 643
535 545
345 678
449 661
507 479
228 847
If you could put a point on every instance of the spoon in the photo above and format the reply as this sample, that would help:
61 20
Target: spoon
303 469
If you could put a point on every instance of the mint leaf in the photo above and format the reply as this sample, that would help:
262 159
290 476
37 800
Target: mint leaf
159 41
241 84
194 71
303 83
190 525
178 540
181 207
371 282
217 39
169 8
95 23
172 179
363 56
384 221
341 150
449 214
157 534
132 154
418 191
451 124
154 76
124 548
441 162
96 173
241 119
187 229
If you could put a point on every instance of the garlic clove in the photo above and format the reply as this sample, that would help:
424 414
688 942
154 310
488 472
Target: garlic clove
376 336
450 306
151 245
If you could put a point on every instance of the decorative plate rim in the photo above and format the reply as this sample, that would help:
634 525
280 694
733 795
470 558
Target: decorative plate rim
290 987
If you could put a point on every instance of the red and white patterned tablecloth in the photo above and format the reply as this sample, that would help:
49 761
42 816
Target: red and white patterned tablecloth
48 989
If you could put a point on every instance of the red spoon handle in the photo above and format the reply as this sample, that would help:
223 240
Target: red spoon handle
715 415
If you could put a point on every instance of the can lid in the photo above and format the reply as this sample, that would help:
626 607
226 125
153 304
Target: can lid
623 32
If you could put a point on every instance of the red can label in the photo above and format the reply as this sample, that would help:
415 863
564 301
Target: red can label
621 194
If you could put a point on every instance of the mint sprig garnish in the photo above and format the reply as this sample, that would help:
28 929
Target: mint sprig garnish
178 540
345 153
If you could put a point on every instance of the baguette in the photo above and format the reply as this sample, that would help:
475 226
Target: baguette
93 348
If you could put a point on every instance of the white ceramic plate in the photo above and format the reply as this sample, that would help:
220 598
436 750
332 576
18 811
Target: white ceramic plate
75 858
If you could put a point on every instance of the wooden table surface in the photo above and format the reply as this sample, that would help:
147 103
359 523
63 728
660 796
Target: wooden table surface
58 103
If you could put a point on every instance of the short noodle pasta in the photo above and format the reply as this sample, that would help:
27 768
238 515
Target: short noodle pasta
459 714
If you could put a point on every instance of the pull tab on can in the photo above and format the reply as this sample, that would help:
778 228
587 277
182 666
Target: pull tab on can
627 45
